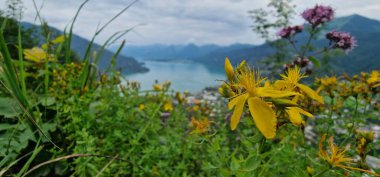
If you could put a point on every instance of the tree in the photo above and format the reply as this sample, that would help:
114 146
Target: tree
265 22
28 36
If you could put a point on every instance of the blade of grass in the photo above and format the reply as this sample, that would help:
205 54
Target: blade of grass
36 151
38 10
70 35
21 59
30 117
69 157
86 59
109 41
2 172
113 60
9 70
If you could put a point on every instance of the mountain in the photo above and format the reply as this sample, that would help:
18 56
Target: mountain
159 51
79 44
364 57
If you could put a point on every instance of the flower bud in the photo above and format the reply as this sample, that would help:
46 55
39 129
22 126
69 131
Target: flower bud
229 70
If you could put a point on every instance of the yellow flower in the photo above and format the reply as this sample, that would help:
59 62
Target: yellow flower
201 126
157 87
168 106
58 39
374 79
336 156
141 107
310 170
180 98
35 54
196 108
261 112
294 114
225 90
327 84
229 69
359 88
290 82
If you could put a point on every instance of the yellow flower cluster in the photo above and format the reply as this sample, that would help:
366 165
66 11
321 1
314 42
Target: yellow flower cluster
265 101
363 139
62 77
346 86
162 87
200 126
168 106
336 156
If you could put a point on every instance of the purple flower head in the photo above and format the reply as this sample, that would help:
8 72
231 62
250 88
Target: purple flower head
342 40
289 31
318 15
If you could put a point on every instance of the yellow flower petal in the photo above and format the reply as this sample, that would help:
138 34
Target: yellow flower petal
229 69
35 54
281 84
310 92
322 152
301 111
233 101
265 92
59 39
294 116
238 102
263 116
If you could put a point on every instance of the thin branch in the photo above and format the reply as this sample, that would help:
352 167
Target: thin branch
105 166
69 157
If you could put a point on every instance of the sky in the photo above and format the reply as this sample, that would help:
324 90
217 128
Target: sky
221 22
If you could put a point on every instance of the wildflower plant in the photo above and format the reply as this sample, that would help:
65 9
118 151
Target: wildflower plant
262 99
316 18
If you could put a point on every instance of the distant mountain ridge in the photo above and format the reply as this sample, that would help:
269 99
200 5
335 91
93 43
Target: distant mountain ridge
364 57
79 44
160 51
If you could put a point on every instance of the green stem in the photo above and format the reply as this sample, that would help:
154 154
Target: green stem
294 46
330 116
20 57
312 33
353 120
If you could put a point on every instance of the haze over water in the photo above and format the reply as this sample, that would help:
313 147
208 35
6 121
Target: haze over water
189 76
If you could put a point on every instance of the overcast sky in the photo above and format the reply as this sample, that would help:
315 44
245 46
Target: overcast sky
220 22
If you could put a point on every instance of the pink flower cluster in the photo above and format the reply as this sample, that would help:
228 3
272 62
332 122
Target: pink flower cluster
289 31
342 40
318 15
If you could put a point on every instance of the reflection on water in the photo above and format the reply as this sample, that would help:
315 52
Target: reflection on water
192 77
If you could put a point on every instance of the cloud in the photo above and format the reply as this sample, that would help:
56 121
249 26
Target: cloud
178 21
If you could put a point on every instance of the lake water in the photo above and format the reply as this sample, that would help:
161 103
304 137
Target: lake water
189 76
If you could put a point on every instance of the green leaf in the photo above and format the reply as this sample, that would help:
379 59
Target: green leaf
235 164
315 61
9 107
6 126
47 101
252 163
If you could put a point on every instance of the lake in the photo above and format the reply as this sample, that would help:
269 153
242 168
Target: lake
189 76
